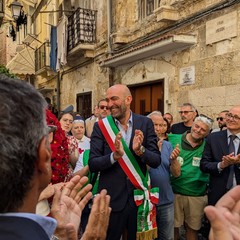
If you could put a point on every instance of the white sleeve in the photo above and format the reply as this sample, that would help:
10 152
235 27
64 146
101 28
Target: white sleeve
79 164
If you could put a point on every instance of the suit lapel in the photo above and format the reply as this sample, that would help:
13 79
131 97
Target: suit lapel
224 142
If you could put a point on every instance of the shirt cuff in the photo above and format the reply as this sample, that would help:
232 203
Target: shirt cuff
112 159
218 167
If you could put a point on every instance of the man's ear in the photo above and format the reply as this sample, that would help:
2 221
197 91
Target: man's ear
128 100
44 158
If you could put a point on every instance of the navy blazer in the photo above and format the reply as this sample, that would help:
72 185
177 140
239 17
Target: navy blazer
216 147
112 177
20 228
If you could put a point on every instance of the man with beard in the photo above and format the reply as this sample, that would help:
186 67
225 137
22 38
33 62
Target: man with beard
129 134
190 187
221 119
187 113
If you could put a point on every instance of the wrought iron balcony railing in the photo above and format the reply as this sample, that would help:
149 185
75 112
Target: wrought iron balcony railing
42 60
82 27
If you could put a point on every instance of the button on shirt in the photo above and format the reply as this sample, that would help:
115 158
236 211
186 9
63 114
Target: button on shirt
125 134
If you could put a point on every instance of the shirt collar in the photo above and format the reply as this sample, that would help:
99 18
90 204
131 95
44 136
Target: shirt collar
47 223
229 134
129 122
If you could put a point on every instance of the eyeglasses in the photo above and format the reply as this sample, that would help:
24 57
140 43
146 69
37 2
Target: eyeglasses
220 118
184 112
104 107
208 118
234 117
52 128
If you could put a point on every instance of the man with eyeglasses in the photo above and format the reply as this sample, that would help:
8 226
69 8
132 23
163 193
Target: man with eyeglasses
221 157
221 119
25 171
103 111
187 114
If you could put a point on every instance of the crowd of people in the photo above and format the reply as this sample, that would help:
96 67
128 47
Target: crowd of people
116 175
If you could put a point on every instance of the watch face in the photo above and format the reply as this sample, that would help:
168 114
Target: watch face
142 149
54 237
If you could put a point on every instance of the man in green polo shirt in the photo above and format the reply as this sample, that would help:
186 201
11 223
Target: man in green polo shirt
190 187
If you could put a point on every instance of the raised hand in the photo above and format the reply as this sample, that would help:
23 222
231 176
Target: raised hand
229 160
175 167
225 216
118 147
68 204
99 218
137 140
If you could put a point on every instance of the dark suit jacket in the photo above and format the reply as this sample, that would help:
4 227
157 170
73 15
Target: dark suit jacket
216 147
112 176
20 228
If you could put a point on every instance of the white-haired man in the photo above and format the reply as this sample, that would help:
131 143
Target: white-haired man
190 187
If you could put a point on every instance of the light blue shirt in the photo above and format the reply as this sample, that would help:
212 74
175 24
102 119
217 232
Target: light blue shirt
160 176
125 134
47 223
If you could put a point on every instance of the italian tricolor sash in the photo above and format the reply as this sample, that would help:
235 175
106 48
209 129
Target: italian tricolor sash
144 196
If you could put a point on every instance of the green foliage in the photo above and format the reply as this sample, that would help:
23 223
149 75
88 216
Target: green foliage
5 71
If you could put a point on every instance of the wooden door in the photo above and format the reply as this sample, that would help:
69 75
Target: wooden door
84 104
147 98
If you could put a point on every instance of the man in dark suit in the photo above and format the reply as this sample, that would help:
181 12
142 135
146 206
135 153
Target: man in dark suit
138 133
221 162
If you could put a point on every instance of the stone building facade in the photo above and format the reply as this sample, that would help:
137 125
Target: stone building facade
167 51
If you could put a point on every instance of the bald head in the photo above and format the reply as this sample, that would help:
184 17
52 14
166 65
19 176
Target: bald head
119 99
121 88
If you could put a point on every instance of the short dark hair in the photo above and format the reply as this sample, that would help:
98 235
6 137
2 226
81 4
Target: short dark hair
101 101
168 125
63 113
224 111
22 126
168 114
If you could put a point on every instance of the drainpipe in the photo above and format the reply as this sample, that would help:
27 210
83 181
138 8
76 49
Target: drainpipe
109 28
58 91
109 25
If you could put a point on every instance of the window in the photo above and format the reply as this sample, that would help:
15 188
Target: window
147 7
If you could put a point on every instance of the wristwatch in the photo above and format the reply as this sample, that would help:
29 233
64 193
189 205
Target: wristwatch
142 149
54 237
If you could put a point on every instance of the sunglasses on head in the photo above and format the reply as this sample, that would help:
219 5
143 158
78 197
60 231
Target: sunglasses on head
103 107
220 118
208 118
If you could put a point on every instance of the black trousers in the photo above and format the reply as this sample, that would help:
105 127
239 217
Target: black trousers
125 220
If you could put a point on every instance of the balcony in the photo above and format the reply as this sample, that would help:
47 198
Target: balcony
42 60
1 11
81 33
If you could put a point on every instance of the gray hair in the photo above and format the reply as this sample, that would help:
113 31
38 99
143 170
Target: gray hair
22 126
205 120
158 113
189 105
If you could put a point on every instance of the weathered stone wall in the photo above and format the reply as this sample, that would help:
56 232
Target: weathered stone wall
217 67
84 79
